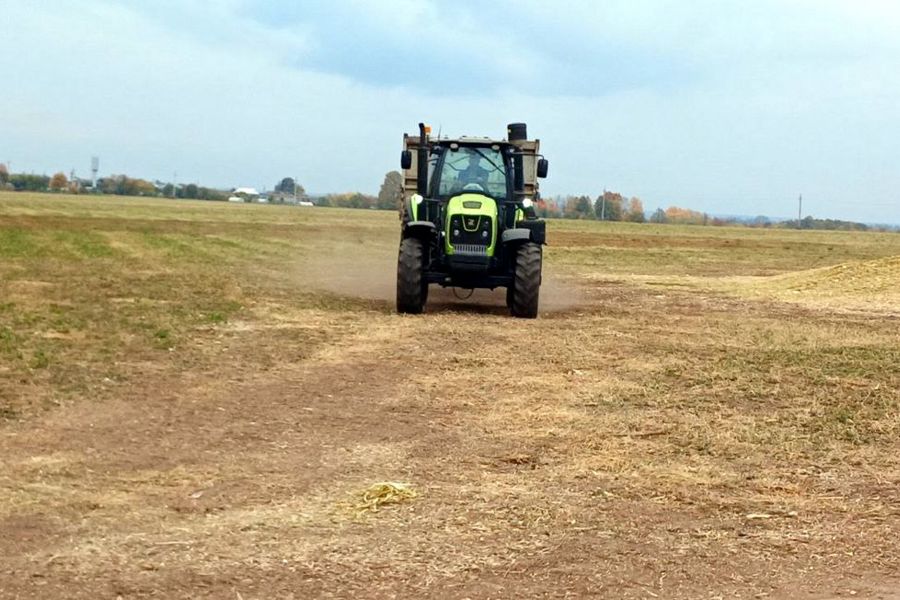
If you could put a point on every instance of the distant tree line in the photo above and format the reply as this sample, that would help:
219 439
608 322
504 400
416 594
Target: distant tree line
388 197
348 200
119 185
830 224
612 206
608 206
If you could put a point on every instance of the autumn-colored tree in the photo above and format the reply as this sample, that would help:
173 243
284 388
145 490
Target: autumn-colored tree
144 188
123 185
547 209
569 210
635 212
684 216
4 174
608 207
58 182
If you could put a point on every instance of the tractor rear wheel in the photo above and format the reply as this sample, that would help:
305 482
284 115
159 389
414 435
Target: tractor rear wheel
527 285
412 288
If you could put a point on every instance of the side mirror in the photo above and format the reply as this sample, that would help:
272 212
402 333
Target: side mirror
405 159
542 167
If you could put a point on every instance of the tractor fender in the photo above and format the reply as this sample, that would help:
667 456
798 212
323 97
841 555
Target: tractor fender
419 229
516 235
537 227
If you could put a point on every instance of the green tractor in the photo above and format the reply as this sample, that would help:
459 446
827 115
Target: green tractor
468 218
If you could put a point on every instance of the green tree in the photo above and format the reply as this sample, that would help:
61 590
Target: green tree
29 183
583 207
391 191
286 185
204 193
659 216
4 174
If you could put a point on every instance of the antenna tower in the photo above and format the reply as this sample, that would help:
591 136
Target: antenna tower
95 166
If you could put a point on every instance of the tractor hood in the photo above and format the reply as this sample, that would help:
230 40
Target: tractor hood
471 225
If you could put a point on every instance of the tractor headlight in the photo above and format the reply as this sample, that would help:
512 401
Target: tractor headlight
527 203
417 198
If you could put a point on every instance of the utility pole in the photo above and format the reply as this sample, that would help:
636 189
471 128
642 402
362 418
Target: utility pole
800 212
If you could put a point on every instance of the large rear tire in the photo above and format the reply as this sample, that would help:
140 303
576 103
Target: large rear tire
527 286
412 288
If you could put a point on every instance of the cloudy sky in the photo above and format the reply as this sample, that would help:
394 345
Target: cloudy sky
730 107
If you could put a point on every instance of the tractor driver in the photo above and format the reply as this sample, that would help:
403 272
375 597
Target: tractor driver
473 173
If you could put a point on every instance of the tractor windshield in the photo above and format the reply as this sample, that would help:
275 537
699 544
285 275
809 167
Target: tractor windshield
473 169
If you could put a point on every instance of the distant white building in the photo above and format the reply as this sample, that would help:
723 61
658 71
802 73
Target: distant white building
245 191
244 194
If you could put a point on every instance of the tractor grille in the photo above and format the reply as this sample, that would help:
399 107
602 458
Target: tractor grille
471 249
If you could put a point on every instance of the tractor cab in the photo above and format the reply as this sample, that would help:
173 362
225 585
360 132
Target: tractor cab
468 211
472 168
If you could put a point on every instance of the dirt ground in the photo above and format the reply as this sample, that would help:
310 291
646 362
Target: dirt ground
195 403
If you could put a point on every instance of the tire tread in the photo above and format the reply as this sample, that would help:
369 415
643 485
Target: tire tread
527 285
411 287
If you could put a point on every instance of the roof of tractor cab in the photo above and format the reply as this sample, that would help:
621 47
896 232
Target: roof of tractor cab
471 141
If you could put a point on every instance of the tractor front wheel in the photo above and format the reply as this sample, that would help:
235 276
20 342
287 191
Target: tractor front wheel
527 285
412 288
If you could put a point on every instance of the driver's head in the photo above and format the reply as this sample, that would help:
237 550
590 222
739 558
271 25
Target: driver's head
474 160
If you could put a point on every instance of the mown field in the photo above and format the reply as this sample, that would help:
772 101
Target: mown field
194 398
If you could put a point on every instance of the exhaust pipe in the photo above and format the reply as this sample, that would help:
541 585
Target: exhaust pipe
422 162
518 132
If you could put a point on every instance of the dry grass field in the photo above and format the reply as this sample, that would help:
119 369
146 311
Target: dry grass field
201 400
